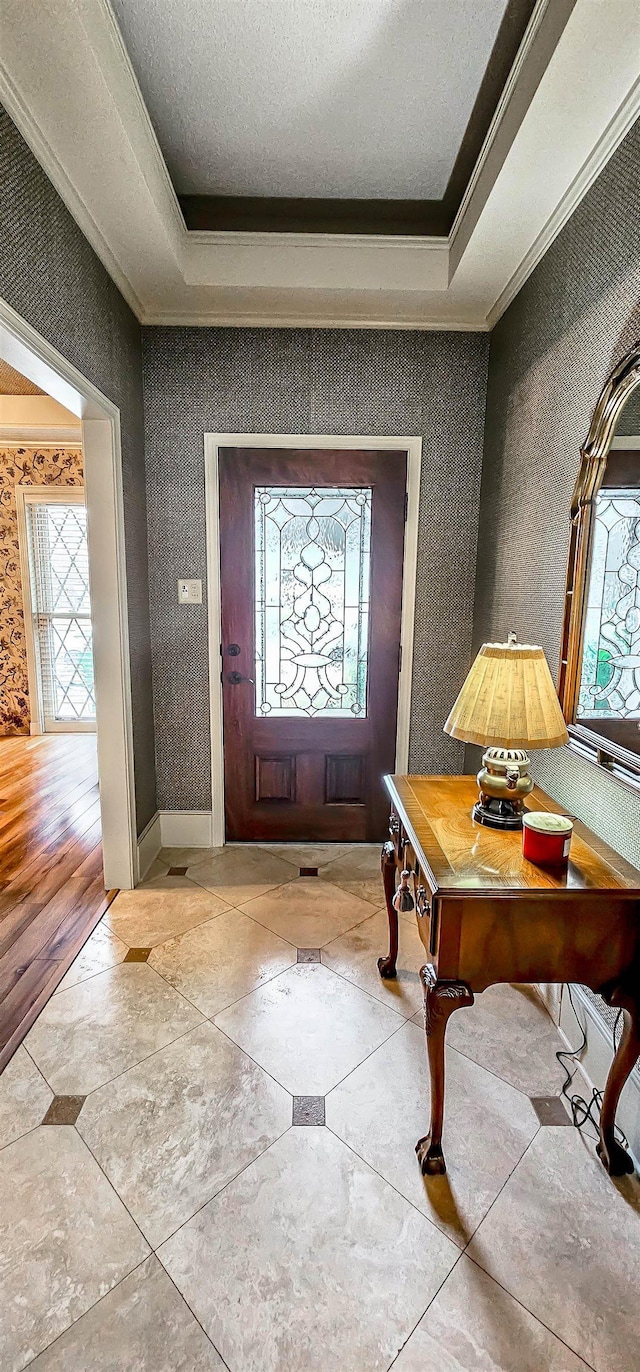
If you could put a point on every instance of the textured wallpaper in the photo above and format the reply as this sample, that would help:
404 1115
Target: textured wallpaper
52 277
550 354
308 381
32 467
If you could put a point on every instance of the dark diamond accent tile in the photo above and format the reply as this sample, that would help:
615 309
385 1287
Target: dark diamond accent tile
550 1110
177 872
308 1110
137 954
64 1109
308 871
308 955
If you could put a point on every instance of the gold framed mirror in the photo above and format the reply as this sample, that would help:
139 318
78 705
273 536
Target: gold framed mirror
599 678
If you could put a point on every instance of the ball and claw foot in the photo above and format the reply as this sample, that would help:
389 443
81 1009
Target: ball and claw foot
614 1158
430 1157
387 968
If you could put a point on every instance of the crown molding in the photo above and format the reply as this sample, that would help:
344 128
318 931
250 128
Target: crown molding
611 139
547 142
36 435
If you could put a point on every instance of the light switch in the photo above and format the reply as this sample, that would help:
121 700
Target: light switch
189 592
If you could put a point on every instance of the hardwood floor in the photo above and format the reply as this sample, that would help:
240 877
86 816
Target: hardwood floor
51 885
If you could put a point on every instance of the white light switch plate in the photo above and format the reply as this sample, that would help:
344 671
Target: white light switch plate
189 592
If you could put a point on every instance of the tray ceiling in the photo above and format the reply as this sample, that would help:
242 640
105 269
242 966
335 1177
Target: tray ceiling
568 99
325 98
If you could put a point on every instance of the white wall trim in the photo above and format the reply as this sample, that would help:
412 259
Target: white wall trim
29 353
187 829
596 1060
212 443
149 845
39 436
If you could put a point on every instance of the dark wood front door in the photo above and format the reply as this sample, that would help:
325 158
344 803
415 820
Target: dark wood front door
311 547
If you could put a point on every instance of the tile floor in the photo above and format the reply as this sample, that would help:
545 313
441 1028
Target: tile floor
162 1213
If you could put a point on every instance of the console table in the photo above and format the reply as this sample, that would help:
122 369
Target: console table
486 915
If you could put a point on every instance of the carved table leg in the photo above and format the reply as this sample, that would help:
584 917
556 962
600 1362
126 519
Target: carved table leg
387 966
612 1155
441 998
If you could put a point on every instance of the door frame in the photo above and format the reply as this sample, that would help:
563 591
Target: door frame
212 444
25 495
25 349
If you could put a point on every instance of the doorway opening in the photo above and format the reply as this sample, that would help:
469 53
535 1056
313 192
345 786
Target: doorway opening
67 817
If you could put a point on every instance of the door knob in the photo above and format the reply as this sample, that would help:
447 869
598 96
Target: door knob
234 650
236 677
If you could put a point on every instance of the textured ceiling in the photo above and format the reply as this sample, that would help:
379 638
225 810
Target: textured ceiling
317 98
14 383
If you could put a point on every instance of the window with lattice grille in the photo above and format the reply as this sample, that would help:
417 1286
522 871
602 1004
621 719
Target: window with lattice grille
61 610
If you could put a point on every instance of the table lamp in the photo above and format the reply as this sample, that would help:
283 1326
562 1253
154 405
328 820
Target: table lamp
509 702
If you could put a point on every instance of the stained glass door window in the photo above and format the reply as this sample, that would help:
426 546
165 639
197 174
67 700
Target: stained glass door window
610 679
61 611
312 560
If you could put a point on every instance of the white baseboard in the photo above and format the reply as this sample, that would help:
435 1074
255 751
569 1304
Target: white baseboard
596 1060
149 845
186 828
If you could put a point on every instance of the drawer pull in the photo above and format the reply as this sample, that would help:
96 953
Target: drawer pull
403 899
423 906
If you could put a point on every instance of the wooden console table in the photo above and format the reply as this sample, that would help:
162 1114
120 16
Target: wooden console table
485 915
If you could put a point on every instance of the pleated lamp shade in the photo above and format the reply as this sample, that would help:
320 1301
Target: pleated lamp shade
508 700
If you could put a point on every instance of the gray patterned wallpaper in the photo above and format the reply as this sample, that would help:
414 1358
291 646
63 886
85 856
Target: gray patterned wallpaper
52 277
550 354
308 381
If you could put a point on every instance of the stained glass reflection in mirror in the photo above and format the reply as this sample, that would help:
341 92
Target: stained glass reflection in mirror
312 559
610 678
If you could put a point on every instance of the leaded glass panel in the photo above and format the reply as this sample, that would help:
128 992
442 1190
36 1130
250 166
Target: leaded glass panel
312 551
610 677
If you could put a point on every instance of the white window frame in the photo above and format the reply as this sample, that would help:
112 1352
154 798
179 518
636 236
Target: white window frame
42 495
212 444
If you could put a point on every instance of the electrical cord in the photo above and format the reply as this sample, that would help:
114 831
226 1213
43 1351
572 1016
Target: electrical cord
584 1112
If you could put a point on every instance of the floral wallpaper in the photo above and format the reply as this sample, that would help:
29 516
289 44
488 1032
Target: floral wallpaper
33 467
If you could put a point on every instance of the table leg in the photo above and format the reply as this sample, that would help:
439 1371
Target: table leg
612 1155
441 998
387 966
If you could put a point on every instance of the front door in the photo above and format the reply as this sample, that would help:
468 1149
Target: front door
311 548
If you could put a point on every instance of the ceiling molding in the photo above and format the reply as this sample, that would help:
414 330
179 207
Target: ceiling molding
611 139
571 96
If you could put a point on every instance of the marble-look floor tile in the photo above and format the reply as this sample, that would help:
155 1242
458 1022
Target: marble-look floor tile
308 1261
24 1097
65 1240
382 1109
142 1325
143 918
220 961
102 949
237 875
89 1034
183 857
174 1130
509 1031
165 882
308 854
355 956
564 1239
475 1326
358 873
308 912
308 1027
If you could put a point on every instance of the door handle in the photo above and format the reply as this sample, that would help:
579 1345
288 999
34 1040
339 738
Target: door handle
234 678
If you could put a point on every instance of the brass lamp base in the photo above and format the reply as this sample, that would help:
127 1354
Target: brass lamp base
504 782
498 814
